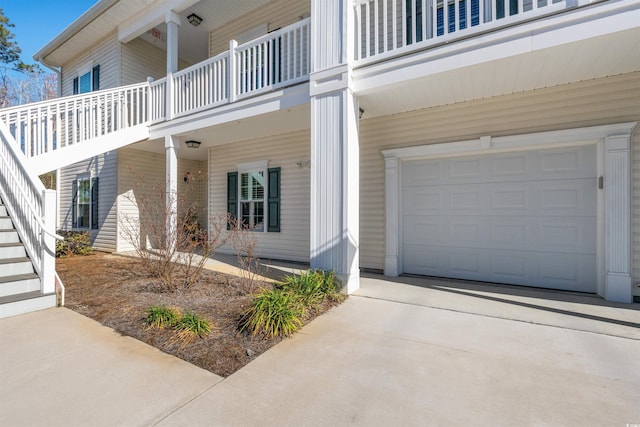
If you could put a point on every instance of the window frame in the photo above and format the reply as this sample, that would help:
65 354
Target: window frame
91 203
250 168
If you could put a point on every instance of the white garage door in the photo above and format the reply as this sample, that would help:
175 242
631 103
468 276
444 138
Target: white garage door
524 218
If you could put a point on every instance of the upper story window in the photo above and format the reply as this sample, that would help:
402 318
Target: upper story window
88 80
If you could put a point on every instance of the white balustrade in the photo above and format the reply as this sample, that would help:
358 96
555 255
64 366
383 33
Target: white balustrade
201 86
387 27
31 207
43 127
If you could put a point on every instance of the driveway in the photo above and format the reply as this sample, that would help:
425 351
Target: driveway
394 354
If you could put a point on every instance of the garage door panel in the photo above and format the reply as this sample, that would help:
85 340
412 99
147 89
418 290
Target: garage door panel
557 234
524 218
569 197
566 163
529 268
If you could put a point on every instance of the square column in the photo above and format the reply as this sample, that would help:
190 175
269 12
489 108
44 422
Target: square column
171 153
335 152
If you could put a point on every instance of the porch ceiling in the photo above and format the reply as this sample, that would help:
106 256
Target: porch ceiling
133 18
275 123
440 80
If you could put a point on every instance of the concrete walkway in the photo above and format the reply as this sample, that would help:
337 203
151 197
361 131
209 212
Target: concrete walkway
411 353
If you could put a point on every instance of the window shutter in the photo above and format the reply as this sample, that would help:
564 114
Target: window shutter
76 86
274 200
74 203
94 203
95 83
232 196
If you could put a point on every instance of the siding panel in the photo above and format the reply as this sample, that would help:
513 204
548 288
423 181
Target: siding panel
292 242
104 54
103 166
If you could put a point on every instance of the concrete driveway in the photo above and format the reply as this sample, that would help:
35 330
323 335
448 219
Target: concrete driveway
425 353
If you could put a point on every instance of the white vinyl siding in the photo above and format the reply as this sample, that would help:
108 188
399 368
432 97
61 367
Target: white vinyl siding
277 14
597 102
104 167
140 60
284 151
142 174
104 54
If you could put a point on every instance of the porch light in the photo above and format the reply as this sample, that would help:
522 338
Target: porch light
193 144
194 19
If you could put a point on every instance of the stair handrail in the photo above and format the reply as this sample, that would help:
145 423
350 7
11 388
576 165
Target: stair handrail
26 206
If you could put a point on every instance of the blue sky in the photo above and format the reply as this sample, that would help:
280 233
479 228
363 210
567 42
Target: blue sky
38 21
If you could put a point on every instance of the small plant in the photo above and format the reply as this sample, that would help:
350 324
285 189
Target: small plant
191 326
273 313
74 243
313 287
161 316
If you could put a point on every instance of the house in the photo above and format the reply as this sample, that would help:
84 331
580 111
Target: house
489 140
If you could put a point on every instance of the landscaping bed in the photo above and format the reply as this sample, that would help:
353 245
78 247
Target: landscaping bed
115 291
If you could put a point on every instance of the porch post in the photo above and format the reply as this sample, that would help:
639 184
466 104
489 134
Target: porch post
617 186
171 148
173 22
335 154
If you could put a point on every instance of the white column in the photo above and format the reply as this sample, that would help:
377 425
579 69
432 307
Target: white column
335 153
617 185
171 148
173 23
49 208
392 226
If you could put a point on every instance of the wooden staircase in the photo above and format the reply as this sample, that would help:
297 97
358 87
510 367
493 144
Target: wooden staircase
20 286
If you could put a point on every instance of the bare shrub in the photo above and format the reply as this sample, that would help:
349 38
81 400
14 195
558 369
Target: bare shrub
243 240
171 243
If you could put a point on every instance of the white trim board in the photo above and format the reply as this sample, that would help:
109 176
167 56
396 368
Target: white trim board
614 201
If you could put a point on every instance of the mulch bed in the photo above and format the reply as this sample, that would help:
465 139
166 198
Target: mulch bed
114 291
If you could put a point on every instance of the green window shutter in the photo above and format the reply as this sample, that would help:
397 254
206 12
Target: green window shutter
232 196
76 86
94 203
274 200
95 83
74 203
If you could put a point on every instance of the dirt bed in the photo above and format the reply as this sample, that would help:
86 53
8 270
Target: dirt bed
114 291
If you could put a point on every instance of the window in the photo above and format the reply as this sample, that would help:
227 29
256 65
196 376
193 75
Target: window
253 196
88 80
84 210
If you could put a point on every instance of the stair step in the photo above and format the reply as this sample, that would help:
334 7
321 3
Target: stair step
3 211
12 250
8 236
13 266
25 303
19 284
5 222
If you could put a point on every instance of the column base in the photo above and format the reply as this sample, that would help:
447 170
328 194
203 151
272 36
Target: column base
618 288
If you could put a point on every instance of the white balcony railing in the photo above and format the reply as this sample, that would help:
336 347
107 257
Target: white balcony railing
47 126
388 27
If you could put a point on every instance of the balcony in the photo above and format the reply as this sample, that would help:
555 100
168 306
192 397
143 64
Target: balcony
386 28
63 131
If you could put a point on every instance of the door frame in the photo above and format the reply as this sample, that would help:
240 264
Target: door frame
613 167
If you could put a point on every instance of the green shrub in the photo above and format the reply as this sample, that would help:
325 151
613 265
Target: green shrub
161 316
74 243
273 313
194 325
313 287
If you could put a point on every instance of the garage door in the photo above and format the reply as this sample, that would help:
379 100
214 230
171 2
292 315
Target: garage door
524 218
